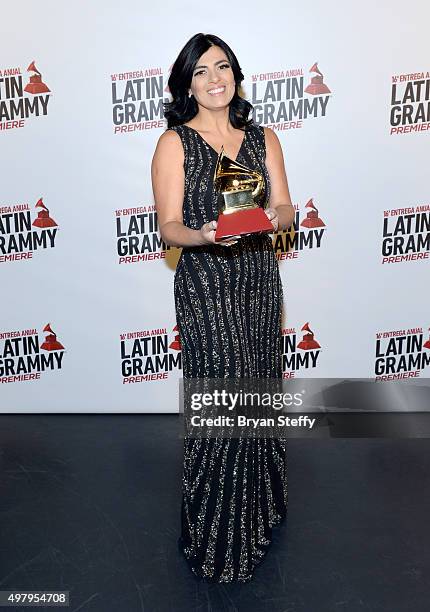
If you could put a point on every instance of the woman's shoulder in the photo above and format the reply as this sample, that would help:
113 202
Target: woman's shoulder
177 134
270 134
174 128
170 145
270 137
171 136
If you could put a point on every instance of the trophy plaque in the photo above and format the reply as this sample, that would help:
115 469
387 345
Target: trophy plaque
238 188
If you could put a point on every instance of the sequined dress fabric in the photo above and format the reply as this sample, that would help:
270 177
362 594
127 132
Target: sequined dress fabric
228 310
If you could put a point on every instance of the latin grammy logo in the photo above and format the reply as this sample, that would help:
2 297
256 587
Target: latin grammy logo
317 85
427 343
51 343
308 341
43 219
36 85
176 344
312 219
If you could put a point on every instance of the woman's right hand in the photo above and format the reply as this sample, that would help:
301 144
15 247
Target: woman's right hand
207 232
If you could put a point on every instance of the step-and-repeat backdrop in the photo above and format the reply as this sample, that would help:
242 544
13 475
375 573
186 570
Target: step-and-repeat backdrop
87 313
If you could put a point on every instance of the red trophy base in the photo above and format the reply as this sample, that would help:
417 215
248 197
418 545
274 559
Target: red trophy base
249 221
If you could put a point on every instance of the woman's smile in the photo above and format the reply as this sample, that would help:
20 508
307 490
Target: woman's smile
216 91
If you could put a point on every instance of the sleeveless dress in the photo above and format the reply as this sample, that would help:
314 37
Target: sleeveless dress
228 304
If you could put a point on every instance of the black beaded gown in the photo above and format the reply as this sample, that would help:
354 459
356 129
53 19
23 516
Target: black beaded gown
228 304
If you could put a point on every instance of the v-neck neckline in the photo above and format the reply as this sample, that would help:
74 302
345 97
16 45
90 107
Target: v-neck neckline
211 147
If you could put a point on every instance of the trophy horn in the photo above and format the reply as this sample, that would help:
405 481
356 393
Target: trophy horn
240 214
231 175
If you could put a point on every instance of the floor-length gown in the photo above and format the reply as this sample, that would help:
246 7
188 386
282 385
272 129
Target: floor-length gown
228 307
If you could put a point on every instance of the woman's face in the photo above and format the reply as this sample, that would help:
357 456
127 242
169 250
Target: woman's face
213 84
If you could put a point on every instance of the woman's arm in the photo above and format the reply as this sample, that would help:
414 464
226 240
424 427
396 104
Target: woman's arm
167 172
281 211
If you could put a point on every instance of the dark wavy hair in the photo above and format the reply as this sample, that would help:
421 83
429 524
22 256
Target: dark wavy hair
183 108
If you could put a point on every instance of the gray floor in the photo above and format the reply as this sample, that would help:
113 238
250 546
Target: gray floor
90 504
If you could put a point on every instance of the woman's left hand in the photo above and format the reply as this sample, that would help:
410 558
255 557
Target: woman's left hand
272 215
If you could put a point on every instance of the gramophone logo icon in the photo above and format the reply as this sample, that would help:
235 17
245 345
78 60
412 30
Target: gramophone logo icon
36 85
51 343
312 219
317 85
308 342
427 343
43 219
176 344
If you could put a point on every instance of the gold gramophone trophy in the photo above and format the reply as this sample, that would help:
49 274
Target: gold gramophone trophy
239 188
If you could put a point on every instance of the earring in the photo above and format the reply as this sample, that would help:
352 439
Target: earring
189 94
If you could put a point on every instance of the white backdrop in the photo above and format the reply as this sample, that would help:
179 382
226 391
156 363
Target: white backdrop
86 166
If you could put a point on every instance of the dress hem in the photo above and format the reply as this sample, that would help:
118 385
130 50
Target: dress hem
254 563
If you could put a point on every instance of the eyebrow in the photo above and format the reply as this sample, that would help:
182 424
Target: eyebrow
216 63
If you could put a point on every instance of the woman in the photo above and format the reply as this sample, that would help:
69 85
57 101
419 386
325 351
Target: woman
228 299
